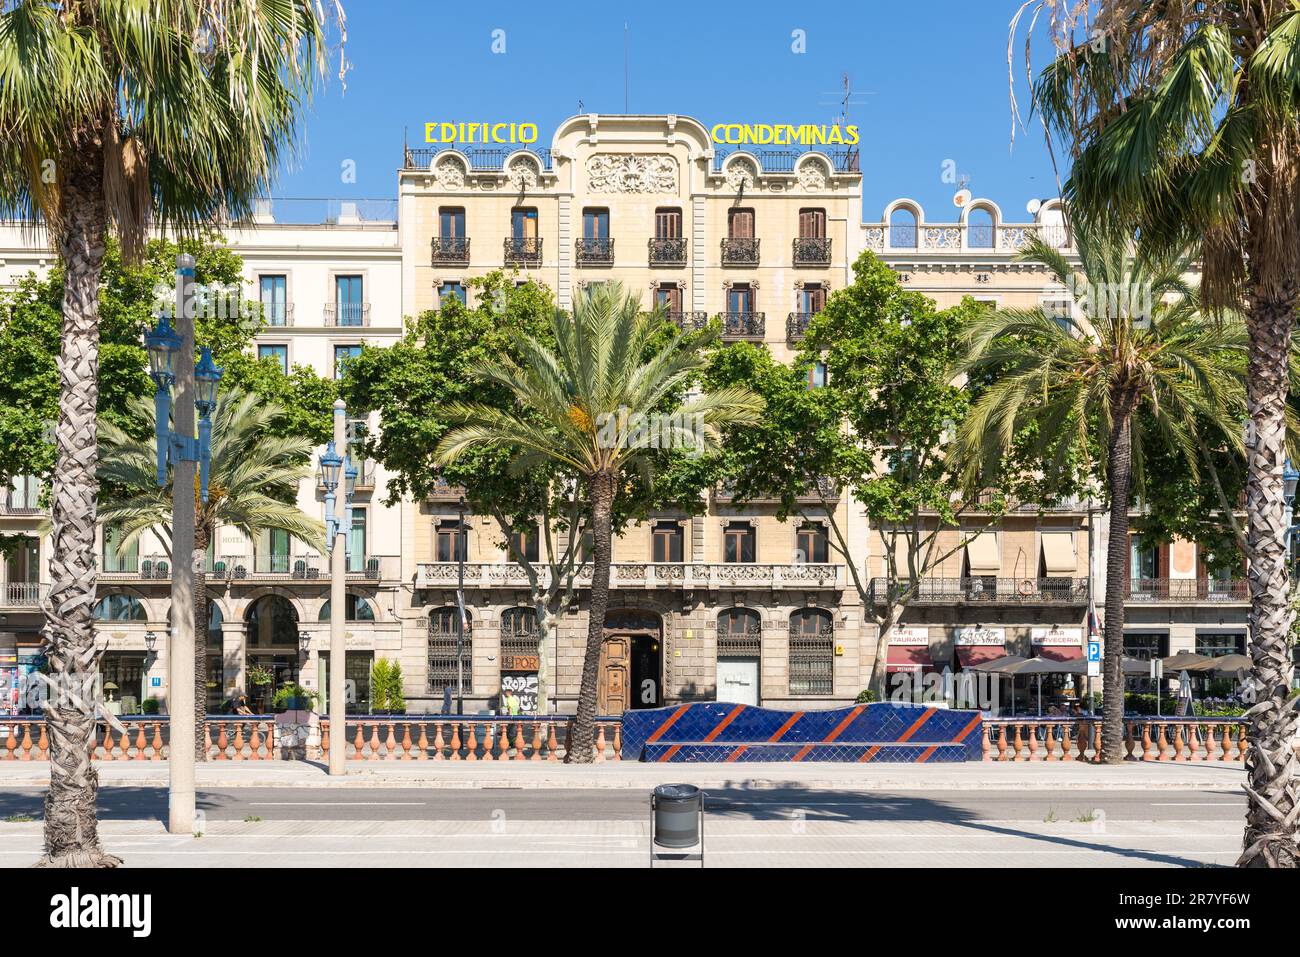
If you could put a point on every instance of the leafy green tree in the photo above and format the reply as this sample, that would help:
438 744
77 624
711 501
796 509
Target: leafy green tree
1134 351
1180 123
581 405
879 428
252 487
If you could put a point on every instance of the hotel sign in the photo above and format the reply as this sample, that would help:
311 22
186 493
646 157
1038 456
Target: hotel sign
980 636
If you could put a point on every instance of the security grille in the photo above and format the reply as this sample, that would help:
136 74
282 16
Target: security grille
812 653
740 634
442 652
519 633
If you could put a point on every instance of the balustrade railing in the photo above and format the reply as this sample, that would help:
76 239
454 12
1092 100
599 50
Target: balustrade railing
1145 739
437 738
146 738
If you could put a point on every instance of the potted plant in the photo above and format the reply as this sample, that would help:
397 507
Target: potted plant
386 688
292 696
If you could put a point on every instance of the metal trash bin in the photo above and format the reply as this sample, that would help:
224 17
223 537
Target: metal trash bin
677 811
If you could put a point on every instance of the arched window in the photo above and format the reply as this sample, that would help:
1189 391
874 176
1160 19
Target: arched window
356 608
902 228
812 652
444 662
740 633
120 607
518 632
272 621
979 228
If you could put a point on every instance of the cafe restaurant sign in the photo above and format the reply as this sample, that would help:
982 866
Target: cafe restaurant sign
912 637
980 636
1057 637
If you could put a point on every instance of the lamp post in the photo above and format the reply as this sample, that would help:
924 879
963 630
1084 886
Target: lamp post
171 365
331 470
461 542
1290 480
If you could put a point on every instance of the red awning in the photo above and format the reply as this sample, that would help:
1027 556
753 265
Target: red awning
907 657
1060 652
975 654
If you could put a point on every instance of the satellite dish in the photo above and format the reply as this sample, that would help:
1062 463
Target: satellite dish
1033 206
961 198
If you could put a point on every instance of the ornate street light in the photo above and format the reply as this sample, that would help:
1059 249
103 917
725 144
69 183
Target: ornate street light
163 343
331 463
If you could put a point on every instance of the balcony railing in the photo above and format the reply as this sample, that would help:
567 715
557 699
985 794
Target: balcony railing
444 491
902 237
668 252
22 594
740 252
689 321
1186 590
797 323
374 567
241 567
450 249
987 589
480 158
743 325
277 315
342 314
812 251
647 575
523 251
595 252
784 161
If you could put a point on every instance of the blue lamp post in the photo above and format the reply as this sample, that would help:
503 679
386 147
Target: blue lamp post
163 343
331 463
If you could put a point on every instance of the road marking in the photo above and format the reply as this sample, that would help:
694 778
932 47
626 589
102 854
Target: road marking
1194 804
336 803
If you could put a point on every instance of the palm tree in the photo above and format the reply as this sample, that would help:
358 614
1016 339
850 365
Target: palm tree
252 487
169 114
1181 121
580 406
1134 363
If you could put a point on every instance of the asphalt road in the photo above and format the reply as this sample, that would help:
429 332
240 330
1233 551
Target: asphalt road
536 804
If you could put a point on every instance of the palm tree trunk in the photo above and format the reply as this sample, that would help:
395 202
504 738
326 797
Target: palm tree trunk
583 739
1117 547
201 537
71 828
1274 805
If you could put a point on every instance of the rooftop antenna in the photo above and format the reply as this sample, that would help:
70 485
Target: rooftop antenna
845 98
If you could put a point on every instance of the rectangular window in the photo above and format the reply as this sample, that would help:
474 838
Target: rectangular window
668 224
1218 644
348 300
740 224
738 542
357 541
280 353
523 223
595 224
341 356
451 222
813 544
668 298
451 541
273 552
451 289
525 545
667 542
740 299
273 293
812 224
116 558
812 299
817 375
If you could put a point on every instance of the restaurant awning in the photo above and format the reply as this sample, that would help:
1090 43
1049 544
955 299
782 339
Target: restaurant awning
982 555
970 655
907 657
1059 558
1060 652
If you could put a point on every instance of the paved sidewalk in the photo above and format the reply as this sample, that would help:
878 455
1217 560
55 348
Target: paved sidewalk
533 774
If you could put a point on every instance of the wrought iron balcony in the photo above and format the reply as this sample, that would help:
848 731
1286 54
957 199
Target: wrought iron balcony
689 321
450 249
523 251
647 575
986 589
743 325
740 252
812 252
341 314
595 252
796 324
668 252
1183 590
444 491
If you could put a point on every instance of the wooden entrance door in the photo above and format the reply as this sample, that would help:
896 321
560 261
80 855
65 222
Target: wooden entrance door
614 687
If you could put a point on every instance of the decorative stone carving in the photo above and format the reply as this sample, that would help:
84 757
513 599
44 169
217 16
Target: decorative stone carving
874 237
941 237
812 175
741 172
450 173
523 173
631 173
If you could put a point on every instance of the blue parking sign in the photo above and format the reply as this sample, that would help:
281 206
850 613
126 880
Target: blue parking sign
1094 651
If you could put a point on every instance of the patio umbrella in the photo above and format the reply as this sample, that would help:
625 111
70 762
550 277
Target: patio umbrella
1231 665
998 665
1187 661
1129 666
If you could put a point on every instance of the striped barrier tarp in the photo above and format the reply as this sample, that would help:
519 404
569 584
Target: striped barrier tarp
718 731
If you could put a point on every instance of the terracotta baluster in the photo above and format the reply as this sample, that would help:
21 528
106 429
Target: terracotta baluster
239 741
325 741
1051 742
422 745
618 742
11 743
984 742
374 742
139 742
551 745
255 741
537 742
505 740
43 744
1065 742
1194 737
1085 740
471 745
1129 741
489 741
359 743
1033 742
391 743
1162 743
438 743
1179 754
1002 742
1242 745
27 741
455 741
1225 745
221 743
600 743
1016 744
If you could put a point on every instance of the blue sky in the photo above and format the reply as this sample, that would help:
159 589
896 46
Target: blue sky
931 74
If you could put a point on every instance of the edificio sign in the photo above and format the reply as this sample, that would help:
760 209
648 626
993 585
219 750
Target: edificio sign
523 133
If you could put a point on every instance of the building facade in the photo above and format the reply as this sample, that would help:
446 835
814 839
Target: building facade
729 603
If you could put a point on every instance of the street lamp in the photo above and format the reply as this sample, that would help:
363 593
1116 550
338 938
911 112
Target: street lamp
460 605
336 466
330 465
163 344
